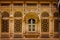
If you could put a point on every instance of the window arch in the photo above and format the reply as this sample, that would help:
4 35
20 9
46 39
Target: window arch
17 22
56 22
45 22
31 21
18 14
5 14
45 14
56 26
5 22
55 14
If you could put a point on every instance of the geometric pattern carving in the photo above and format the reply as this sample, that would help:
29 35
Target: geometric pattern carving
5 25
45 25
17 25
56 25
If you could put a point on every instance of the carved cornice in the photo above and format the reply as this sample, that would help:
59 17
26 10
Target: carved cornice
30 0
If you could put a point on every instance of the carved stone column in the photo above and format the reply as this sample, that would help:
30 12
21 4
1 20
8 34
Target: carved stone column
51 23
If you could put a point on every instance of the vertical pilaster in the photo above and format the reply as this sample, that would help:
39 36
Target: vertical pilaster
51 23
39 21
11 21
23 20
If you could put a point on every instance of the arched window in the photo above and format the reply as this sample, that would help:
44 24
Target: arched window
31 25
45 22
5 14
45 14
18 22
56 25
55 22
31 21
5 22
18 14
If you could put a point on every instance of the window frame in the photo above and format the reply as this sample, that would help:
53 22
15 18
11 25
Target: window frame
31 24
5 18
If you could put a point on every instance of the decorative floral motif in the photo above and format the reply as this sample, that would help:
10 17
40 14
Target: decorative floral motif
5 25
17 25
45 25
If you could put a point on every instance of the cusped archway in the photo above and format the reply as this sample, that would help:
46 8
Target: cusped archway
31 15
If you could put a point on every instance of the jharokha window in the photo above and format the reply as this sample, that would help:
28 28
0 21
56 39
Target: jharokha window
18 25
31 25
18 22
45 22
55 22
5 22
45 25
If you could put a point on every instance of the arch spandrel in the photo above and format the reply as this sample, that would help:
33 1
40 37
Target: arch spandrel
31 16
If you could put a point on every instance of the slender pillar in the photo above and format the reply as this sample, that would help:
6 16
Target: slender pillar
11 21
51 27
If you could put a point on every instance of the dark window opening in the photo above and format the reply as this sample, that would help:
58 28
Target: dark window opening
33 21
31 4
56 25
5 4
59 10
18 4
44 4
5 26
55 5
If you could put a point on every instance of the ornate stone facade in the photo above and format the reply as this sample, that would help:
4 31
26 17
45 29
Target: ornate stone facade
29 20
